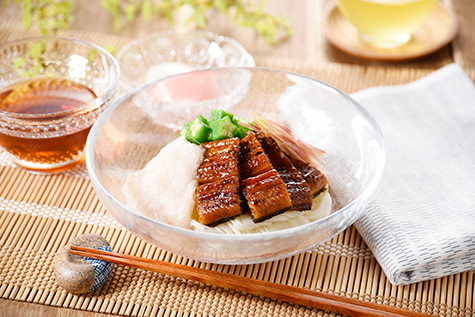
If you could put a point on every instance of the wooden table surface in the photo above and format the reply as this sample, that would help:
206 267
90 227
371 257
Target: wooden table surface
307 44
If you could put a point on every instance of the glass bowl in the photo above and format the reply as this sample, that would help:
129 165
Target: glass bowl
178 52
134 129
52 89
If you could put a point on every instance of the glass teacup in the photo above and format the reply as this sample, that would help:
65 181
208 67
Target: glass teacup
52 89
386 23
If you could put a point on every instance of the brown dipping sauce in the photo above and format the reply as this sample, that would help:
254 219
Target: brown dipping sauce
43 97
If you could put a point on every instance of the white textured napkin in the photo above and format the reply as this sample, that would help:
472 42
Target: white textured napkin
421 222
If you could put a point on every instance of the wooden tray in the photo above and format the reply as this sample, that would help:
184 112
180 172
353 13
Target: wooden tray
439 30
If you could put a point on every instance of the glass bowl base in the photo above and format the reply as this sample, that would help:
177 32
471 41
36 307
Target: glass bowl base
48 168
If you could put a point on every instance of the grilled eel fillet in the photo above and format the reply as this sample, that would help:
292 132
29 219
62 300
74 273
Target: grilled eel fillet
217 194
316 180
262 187
299 192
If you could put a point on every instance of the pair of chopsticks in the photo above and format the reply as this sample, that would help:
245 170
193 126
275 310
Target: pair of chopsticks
334 303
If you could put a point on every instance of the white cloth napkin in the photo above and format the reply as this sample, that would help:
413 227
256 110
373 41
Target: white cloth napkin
421 223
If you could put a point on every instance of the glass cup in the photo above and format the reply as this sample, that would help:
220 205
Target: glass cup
52 89
386 23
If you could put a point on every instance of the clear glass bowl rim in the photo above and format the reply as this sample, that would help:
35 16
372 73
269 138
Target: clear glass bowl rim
87 107
234 237
235 43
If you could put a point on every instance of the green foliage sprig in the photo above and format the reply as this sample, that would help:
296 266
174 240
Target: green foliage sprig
49 15
244 13
35 56
52 15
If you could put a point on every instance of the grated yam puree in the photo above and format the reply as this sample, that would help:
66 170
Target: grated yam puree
165 189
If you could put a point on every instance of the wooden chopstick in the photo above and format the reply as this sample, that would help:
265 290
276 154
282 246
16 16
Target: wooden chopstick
334 303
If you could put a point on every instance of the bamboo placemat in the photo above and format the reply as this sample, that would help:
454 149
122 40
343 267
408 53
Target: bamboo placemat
39 214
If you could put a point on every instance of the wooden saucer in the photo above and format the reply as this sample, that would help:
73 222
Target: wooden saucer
439 30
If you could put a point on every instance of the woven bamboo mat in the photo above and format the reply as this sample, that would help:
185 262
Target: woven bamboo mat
39 214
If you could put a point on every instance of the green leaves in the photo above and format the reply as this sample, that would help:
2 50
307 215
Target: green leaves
222 6
113 6
52 15
244 13
147 10
130 12
91 55
199 18
26 14
110 48
33 64
165 9
267 25
19 62
36 49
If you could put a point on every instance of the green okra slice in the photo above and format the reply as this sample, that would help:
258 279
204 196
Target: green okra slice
198 130
240 132
222 128
217 114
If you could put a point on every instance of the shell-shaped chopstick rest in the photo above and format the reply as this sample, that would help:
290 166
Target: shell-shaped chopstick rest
78 274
